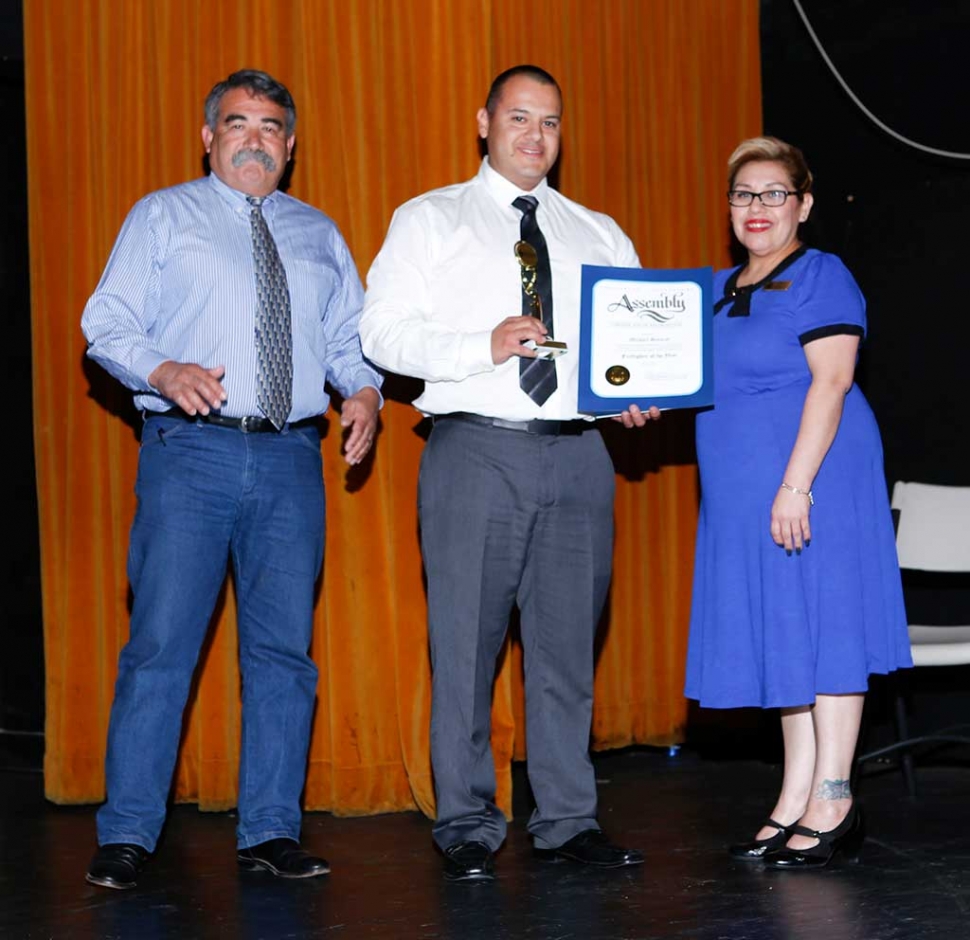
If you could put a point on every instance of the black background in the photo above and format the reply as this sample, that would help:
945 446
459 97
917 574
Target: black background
21 633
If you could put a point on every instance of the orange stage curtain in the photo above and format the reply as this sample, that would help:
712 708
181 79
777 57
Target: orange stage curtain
657 92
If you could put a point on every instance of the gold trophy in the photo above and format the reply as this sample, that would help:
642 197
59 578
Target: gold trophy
529 262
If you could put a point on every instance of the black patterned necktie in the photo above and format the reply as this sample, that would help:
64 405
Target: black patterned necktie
537 377
274 339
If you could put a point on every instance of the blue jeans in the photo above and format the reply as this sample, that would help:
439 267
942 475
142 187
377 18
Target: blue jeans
206 493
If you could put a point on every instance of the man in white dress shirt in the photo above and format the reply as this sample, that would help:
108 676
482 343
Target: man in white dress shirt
516 488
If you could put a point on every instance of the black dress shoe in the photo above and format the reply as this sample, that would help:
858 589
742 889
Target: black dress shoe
283 858
469 861
845 839
117 865
754 851
591 847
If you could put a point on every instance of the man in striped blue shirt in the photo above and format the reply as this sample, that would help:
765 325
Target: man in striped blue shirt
226 306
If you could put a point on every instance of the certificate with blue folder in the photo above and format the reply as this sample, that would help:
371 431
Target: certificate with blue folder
645 339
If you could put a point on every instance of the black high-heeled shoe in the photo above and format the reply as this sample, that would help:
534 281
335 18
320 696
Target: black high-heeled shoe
845 840
754 851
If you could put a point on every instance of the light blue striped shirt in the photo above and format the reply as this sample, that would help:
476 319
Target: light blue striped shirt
179 285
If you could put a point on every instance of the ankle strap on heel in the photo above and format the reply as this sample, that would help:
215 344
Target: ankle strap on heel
832 835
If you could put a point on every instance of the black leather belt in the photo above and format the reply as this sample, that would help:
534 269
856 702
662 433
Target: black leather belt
249 424
536 426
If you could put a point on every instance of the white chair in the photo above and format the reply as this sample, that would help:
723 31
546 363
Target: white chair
932 534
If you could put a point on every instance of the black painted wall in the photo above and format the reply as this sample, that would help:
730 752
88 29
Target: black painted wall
899 218
21 632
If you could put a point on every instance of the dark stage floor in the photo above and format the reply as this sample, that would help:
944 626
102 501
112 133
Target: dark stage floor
913 882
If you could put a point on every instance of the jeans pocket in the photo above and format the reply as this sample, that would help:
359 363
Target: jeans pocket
158 429
308 437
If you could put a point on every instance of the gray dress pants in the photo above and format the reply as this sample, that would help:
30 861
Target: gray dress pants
509 517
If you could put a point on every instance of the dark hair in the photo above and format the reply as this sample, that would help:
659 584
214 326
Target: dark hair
530 71
771 149
259 85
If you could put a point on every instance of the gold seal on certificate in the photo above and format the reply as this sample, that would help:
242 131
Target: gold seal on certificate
617 375
529 262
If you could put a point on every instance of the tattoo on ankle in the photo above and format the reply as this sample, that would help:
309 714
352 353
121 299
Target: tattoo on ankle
833 790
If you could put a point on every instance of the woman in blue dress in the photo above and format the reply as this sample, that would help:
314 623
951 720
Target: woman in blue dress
797 595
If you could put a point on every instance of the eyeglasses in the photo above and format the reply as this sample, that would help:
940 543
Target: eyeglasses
773 198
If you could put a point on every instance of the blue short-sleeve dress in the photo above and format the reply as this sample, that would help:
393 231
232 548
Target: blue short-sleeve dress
768 629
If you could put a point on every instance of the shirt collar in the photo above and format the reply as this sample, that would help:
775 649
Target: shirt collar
503 190
237 199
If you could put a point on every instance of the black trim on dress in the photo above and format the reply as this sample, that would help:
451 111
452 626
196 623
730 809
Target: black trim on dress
834 329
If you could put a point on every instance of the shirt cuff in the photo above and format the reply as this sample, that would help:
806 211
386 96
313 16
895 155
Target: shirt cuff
367 384
144 365
475 354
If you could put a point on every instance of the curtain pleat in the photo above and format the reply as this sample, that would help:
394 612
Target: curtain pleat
657 93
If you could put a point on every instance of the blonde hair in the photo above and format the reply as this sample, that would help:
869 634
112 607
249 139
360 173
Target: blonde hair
758 149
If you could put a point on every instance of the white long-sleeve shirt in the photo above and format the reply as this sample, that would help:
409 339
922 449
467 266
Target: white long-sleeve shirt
447 275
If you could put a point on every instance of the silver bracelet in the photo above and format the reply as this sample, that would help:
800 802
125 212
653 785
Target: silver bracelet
797 491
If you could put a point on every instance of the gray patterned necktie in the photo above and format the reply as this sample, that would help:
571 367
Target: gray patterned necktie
537 377
274 339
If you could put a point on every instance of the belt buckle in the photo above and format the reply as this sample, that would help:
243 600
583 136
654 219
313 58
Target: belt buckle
249 424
